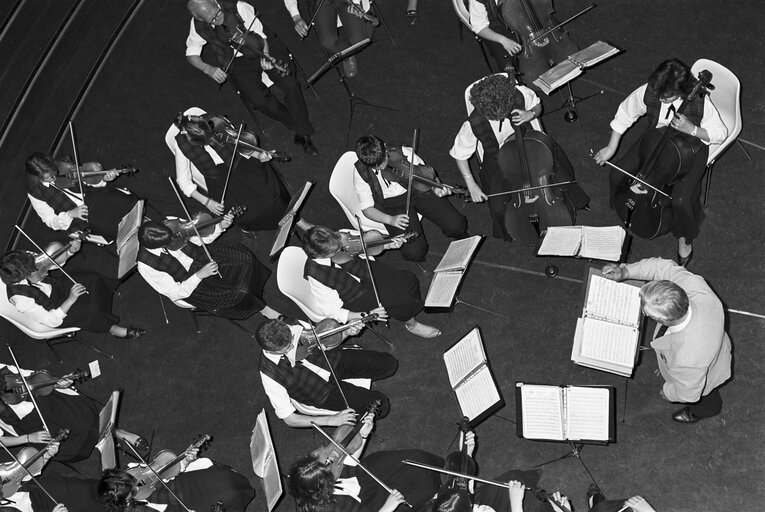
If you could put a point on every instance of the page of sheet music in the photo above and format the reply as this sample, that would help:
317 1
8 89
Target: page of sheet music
542 411
594 53
458 254
561 241
587 413
616 302
442 289
477 393
605 341
602 243
464 357
264 461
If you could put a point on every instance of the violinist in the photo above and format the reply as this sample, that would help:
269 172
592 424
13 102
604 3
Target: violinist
230 286
383 199
217 22
201 169
356 24
315 488
60 206
486 22
54 301
344 292
498 104
309 381
668 86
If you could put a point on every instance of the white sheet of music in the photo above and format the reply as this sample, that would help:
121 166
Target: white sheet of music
264 461
542 411
606 341
602 243
464 357
442 289
458 254
127 239
617 302
477 393
561 241
587 413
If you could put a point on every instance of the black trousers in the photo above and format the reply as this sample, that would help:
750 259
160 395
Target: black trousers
499 55
709 405
399 292
438 210
361 364
353 30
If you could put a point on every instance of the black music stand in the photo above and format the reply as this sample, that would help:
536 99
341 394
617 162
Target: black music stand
569 103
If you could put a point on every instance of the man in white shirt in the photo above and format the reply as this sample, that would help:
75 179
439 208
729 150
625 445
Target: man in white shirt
486 23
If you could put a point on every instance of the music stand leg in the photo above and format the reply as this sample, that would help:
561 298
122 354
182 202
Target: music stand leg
355 100
379 335
379 15
624 409
457 300
249 108
569 103
575 453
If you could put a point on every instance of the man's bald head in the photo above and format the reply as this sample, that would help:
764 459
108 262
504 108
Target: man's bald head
202 9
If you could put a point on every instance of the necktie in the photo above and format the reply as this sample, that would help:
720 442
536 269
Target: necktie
670 112
662 330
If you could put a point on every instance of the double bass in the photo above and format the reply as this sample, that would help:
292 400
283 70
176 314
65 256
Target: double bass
666 155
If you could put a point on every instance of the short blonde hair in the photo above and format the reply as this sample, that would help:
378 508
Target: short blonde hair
664 301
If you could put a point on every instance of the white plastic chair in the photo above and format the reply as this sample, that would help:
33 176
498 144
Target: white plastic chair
341 188
290 280
726 97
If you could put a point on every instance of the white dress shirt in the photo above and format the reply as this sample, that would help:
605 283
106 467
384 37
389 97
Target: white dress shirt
327 299
27 305
479 18
389 188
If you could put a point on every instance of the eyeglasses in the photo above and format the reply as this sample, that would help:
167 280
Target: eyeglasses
211 21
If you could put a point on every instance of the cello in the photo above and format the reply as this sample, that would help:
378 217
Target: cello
642 201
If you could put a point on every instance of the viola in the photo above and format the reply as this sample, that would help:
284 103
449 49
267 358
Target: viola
529 19
90 173
530 160
250 44
460 461
204 223
348 437
166 464
12 474
55 251
224 132
424 177
665 157
41 383
373 240
329 332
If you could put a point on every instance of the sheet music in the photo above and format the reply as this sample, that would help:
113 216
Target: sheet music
593 54
477 393
602 243
609 342
107 419
587 413
286 222
464 357
612 301
264 461
127 239
458 254
442 289
542 410
568 69
561 241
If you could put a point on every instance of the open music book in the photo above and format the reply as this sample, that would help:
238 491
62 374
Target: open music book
288 219
598 243
471 379
107 420
127 239
264 461
573 66
566 413
448 274
607 335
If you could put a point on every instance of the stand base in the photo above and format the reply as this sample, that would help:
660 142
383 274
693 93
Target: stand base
457 300
576 453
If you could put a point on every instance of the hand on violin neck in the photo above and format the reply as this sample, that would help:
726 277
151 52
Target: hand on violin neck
191 456
266 64
395 243
441 191
227 221
368 423
64 383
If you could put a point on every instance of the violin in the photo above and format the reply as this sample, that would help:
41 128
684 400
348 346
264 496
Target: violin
55 251
460 461
12 474
373 240
665 157
91 173
251 44
348 437
531 159
424 177
360 13
224 132
204 222
41 383
329 332
166 464
529 19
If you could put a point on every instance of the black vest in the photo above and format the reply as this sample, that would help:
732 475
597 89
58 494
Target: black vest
58 294
301 383
339 279
215 175
370 177
58 200
218 36
694 110
166 263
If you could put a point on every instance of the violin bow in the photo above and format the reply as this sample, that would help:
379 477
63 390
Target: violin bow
313 18
636 178
331 370
76 161
159 478
354 459
366 260
231 163
188 216
29 473
29 390
46 254
411 174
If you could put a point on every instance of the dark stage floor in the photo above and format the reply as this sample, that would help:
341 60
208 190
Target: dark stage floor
178 383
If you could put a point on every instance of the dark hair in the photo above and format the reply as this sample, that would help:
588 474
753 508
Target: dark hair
371 150
671 78
153 234
320 241
38 165
451 500
273 335
196 129
15 266
115 490
311 484
494 97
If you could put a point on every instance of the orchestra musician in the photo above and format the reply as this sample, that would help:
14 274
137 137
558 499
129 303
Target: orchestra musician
54 301
315 488
309 381
692 348
215 22
230 286
498 104
486 22
344 292
61 207
384 200
668 86
332 38
597 502
201 170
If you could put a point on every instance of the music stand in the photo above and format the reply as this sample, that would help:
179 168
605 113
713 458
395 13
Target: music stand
569 103
127 239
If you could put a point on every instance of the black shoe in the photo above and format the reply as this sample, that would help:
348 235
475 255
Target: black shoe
133 333
248 234
307 142
683 262
411 15
685 415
